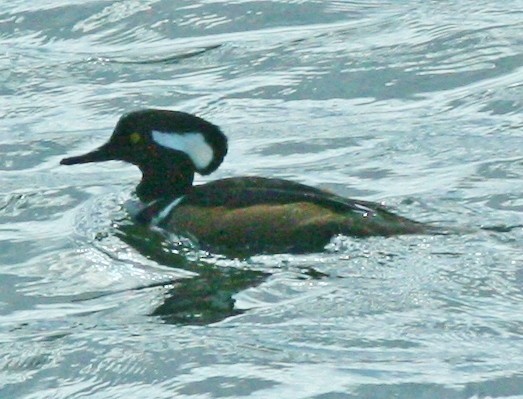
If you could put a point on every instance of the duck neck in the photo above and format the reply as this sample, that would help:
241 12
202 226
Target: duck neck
164 183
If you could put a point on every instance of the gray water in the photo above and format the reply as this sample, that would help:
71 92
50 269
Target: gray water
417 104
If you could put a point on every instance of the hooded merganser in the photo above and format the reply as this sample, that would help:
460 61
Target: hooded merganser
261 215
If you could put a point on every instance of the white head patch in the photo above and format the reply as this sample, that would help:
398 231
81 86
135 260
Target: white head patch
192 144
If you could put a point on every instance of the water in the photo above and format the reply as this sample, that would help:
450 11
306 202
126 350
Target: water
414 103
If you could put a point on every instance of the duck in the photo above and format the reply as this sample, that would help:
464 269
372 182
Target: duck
259 215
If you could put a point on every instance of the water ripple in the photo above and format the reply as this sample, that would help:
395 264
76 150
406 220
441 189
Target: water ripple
418 104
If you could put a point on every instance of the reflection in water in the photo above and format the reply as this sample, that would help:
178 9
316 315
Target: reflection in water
207 298
201 299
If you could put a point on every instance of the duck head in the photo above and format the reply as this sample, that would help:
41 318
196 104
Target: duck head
167 146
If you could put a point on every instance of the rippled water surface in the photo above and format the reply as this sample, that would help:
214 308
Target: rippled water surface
418 104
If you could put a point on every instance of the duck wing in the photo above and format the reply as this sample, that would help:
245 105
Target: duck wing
240 192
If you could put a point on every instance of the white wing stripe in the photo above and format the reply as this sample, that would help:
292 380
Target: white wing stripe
166 211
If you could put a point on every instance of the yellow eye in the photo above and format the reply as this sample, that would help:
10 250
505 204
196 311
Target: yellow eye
135 138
